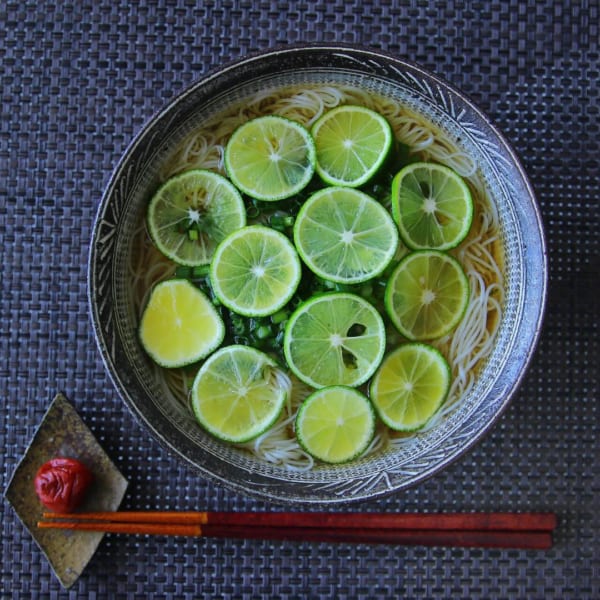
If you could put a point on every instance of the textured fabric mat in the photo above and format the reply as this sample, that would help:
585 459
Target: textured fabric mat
79 79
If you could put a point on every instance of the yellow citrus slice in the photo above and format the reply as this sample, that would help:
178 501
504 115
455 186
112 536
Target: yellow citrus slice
426 295
410 386
191 213
270 158
179 324
345 235
334 339
432 205
352 143
335 424
238 393
255 271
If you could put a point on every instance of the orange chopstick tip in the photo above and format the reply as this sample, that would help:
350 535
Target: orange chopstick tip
166 529
135 516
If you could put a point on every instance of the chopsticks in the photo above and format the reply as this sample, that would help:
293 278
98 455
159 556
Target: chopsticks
487 530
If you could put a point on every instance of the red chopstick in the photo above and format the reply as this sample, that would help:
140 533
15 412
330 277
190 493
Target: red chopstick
436 521
515 530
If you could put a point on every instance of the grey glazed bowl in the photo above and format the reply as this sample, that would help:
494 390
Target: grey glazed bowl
123 206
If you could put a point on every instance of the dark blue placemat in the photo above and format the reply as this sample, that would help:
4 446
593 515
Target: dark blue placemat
79 79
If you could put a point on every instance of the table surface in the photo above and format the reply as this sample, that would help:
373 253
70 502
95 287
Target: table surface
78 81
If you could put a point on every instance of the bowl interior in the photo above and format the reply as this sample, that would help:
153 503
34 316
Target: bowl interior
123 208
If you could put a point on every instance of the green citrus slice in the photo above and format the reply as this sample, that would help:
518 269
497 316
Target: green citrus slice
335 424
344 235
238 393
352 142
179 324
426 295
191 213
255 271
270 158
432 205
334 338
410 386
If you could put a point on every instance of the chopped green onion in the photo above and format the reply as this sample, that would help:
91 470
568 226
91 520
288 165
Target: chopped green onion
252 211
342 287
183 272
325 283
379 190
281 221
366 290
200 271
263 332
238 324
280 316
278 343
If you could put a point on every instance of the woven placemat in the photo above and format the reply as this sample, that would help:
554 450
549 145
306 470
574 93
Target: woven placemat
79 79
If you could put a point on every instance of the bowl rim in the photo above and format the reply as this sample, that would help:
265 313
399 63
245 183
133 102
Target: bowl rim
220 475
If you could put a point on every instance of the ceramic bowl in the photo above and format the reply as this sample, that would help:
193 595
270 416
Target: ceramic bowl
123 207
